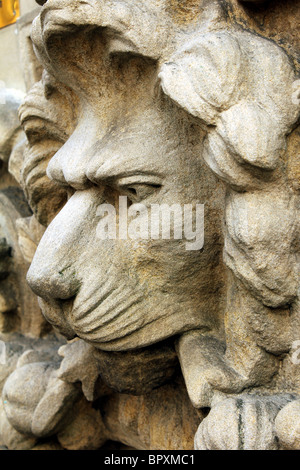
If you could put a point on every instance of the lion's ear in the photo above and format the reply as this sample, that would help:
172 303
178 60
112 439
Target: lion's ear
205 77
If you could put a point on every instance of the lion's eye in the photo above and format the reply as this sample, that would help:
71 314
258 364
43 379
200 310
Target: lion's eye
138 192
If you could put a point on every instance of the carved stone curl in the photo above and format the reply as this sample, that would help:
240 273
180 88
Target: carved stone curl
165 103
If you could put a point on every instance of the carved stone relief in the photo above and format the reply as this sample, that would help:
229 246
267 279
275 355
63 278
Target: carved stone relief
156 343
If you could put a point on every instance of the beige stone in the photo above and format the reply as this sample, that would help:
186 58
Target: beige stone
288 426
86 432
147 103
241 423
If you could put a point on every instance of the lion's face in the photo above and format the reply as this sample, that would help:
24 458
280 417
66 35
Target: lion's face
128 292
129 142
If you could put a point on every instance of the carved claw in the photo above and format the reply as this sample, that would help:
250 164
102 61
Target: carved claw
242 423
205 369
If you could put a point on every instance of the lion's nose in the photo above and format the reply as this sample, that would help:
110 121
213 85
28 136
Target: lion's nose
52 274
55 270
49 281
52 271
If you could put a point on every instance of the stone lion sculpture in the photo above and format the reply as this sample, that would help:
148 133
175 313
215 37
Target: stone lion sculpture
172 104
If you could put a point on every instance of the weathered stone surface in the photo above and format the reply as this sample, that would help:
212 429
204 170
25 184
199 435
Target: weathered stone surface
137 372
12 439
48 446
80 365
35 401
241 423
144 104
25 386
162 419
19 309
54 409
46 129
287 425
20 350
86 431
30 233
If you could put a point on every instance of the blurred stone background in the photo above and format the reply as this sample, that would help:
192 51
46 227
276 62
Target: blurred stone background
10 59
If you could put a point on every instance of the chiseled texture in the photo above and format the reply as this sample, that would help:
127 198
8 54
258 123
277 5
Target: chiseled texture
162 102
